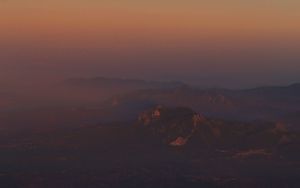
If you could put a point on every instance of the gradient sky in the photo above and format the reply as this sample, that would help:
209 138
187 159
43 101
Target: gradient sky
233 43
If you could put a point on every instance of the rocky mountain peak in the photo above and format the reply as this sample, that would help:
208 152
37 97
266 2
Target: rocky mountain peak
175 125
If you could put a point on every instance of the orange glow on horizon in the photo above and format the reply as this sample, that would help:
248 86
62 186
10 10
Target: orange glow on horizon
112 23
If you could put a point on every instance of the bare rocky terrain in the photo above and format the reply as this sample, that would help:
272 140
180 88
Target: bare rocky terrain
149 134
164 147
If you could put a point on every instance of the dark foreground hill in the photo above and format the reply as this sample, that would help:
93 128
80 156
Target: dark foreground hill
165 147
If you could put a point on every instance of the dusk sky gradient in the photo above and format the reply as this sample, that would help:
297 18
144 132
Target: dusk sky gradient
231 43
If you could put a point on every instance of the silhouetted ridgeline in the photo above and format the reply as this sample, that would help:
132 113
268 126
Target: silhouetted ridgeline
268 103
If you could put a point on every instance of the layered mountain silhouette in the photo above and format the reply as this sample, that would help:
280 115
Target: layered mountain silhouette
130 84
273 103
265 103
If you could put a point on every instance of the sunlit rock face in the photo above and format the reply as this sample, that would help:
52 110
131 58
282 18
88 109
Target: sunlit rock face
174 125
180 141
150 116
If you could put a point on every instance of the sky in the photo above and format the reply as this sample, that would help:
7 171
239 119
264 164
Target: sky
233 43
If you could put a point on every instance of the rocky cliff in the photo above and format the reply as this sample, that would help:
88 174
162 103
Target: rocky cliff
175 125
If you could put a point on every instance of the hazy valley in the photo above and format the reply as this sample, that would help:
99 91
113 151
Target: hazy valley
154 134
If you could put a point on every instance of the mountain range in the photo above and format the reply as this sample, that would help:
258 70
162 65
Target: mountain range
265 103
153 134
121 83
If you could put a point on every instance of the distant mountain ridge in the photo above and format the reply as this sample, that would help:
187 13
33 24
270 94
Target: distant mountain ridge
120 82
265 103
292 89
